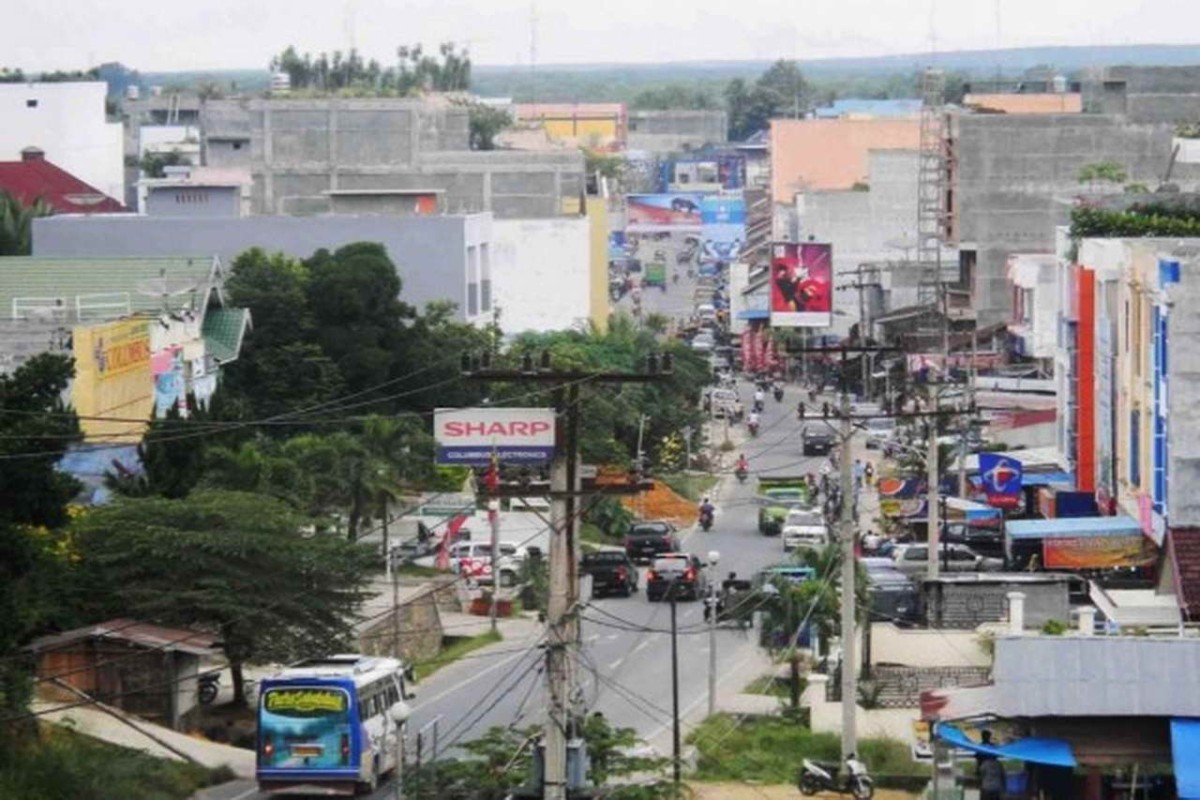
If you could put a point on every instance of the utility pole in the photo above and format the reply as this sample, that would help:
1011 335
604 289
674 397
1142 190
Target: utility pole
562 622
676 750
933 499
846 539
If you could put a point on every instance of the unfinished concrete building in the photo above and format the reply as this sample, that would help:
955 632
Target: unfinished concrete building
1014 178
676 130
307 156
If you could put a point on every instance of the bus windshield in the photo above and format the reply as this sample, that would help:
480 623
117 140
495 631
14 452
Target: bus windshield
303 727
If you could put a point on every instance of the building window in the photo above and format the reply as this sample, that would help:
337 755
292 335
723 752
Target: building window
31 103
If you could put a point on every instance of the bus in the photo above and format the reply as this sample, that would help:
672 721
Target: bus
325 725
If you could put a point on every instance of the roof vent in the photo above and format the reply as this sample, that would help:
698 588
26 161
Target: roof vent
33 154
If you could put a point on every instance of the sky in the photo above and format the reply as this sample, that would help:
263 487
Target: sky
159 35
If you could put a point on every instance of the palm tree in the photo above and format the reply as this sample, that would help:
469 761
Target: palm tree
16 224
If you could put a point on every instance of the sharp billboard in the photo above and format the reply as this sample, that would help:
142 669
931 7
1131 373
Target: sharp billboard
470 436
646 213
801 285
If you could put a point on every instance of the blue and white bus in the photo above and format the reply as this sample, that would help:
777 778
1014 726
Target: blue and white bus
325 724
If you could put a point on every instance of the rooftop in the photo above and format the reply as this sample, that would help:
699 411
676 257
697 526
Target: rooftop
155 637
33 178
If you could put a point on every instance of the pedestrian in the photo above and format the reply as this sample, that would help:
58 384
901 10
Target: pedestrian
869 473
989 771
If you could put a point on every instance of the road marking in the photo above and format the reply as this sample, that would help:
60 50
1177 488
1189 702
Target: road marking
428 700
245 794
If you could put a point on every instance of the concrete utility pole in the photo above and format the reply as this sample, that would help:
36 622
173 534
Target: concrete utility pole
846 539
562 621
933 500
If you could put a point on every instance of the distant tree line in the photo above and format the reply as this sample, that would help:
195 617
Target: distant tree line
18 75
447 71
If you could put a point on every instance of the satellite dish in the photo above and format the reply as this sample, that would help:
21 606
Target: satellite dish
165 288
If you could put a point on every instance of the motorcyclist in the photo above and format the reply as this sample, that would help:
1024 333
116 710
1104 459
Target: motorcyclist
759 399
706 509
752 422
743 464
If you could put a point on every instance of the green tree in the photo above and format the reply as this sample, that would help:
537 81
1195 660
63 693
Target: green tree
234 563
155 164
781 91
1103 172
172 455
16 224
486 123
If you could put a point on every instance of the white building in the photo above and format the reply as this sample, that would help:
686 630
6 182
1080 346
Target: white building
542 273
68 122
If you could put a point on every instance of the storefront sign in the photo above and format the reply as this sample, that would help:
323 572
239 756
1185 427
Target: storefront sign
1098 552
470 436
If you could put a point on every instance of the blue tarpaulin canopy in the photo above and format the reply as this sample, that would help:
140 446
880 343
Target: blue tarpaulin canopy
1072 527
1052 752
1185 749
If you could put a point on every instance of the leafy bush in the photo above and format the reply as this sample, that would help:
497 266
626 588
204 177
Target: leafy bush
60 763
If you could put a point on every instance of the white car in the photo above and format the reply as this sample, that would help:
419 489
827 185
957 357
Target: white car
706 311
474 560
704 343
812 533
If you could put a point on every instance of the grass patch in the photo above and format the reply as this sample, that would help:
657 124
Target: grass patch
690 486
591 534
61 763
769 750
454 648
418 571
771 686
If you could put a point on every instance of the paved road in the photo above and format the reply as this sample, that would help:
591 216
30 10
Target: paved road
626 663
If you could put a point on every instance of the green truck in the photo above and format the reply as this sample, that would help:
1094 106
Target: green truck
656 274
778 495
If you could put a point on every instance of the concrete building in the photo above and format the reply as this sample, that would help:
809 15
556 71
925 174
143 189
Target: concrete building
304 153
1145 94
677 130
542 268
1013 178
196 192
1022 103
597 126
831 154
69 124
1034 326
446 257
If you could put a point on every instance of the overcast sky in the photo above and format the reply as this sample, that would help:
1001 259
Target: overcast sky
208 34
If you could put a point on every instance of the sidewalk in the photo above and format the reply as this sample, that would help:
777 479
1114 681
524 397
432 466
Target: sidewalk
98 724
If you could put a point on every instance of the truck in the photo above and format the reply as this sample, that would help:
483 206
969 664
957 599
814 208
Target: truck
656 273
777 495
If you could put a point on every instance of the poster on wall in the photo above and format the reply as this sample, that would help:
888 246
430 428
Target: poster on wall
167 366
662 212
801 285
723 228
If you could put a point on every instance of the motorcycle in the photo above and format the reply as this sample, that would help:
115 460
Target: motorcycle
758 406
778 394
816 777
753 428
741 473
706 520
209 684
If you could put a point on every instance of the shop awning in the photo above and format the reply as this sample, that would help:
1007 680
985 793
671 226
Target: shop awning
1072 528
1185 750
1053 752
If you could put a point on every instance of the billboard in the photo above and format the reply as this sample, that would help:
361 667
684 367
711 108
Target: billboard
662 212
169 391
112 379
469 436
1001 479
723 228
1099 552
801 285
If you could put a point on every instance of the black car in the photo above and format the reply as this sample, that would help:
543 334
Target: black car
817 439
646 540
611 571
678 576
893 595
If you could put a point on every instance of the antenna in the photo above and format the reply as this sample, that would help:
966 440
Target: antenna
165 288
533 20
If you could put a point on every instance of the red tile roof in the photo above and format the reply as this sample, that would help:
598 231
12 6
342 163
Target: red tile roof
1183 545
31 178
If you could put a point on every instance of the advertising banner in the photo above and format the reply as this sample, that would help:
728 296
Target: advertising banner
470 436
167 366
662 212
1001 479
1099 552
801 285
112 379
723 228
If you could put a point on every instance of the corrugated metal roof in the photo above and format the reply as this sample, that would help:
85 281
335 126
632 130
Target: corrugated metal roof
106 288
1038 676
155 637
1084 527
224 329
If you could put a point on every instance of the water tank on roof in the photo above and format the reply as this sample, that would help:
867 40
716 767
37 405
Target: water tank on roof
281 82
1059 82
132 92
156 91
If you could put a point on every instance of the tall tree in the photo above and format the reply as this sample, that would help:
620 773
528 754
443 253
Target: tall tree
16 224
234 563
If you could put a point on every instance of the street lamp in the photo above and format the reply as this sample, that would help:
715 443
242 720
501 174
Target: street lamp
399 712
714 558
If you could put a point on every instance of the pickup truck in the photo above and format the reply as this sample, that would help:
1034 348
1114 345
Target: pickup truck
611 571
776 497
804 528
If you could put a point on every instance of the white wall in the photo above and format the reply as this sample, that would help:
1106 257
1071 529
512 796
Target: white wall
69 124
540 273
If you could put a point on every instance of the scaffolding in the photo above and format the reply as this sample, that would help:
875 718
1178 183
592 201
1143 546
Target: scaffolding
932 176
